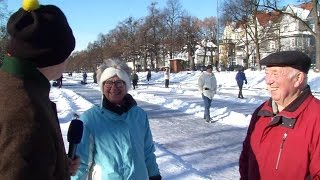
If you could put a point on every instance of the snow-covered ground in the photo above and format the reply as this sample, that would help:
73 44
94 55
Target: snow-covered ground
187 148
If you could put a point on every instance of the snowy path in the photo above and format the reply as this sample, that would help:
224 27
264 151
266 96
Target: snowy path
187 147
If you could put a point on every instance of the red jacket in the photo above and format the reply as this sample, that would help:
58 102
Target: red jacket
284 146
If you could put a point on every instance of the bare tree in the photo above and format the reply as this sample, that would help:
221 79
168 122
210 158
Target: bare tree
312 24
173 13
191 27
4 14
154 34
130 40
244 12
208 28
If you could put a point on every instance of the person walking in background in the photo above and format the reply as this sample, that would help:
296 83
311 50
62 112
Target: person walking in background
207 85
166 74
84 77
149 75
31 144
117 141
135 79
59 80
240 78
284 132
94 76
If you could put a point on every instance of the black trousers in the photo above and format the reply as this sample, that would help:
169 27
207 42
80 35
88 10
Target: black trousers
240 91
166 83
134 83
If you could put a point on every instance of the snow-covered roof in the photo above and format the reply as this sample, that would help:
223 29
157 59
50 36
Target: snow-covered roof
300 12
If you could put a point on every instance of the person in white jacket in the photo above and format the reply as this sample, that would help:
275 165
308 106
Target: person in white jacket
207 85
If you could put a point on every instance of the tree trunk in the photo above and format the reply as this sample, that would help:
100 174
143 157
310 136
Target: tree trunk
317 32
134 64
204 56
145 61
191 60
211 57
257 42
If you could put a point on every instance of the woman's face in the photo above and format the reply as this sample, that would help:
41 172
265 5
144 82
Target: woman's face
114 89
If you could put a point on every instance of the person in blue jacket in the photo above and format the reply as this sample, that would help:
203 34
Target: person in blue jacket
240 78
117 141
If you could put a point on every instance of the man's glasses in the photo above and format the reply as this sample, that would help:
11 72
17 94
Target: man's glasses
117 83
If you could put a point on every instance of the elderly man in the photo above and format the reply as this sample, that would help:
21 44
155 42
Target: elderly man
283 138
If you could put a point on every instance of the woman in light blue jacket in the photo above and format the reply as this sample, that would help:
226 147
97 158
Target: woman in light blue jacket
117 141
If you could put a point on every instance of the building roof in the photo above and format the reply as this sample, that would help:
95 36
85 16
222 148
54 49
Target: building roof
265 17
307 6
299 11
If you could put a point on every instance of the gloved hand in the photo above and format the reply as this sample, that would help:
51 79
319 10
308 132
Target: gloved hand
246 82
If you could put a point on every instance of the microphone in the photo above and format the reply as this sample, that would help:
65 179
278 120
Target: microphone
74 135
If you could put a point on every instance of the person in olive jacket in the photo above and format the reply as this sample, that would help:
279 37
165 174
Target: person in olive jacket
31 144
283 138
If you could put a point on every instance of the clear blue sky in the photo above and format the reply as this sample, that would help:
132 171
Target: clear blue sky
89 18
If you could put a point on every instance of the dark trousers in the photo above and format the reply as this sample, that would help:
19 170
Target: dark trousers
166 83
134 83
207 105
240 91
60 83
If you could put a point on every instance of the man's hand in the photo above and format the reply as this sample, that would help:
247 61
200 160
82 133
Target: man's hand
74 165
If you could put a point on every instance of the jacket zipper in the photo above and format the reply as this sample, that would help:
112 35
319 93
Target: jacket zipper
281 147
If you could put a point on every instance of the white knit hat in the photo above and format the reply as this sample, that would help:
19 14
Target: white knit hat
114 67
110 72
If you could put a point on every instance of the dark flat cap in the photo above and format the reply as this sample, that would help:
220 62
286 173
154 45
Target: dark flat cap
209 66
294 59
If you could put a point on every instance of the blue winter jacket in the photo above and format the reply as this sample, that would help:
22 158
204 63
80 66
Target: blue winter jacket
116 146
240 77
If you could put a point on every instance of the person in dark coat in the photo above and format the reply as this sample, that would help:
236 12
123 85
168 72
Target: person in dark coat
94 77
284 132
31 144
59 81
240 78
149 75
135 79
84 77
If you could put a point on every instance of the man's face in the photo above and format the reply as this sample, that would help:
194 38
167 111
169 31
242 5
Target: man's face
114 89
281 84
53 72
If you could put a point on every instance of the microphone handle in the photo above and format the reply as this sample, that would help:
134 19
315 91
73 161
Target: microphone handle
72 150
